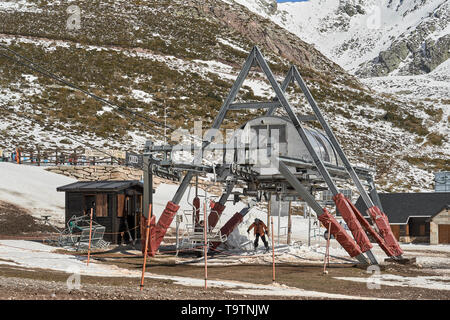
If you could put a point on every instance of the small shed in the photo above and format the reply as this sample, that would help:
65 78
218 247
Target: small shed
416 217
117 206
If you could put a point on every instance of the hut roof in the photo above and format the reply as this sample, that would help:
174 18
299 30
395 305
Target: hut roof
399 207
100 186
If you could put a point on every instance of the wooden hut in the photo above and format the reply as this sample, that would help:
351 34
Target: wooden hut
117 206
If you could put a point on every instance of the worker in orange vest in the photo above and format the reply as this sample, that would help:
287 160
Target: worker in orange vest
260 231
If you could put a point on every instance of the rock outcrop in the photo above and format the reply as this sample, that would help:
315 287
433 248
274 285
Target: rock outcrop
268 35
416 52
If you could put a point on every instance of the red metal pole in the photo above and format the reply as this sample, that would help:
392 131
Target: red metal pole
90 236
273 251
327 252
147 234
205 246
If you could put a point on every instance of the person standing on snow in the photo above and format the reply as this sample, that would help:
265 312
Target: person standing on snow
260 231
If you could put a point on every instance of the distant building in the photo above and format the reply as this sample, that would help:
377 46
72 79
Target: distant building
416 217
442 182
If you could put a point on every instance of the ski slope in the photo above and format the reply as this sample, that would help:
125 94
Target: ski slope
33 188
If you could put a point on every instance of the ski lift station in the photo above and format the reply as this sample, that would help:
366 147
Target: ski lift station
283 156
270 155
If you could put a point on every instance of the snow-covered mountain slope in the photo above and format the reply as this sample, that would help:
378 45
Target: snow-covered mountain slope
34 189
370 37
182 57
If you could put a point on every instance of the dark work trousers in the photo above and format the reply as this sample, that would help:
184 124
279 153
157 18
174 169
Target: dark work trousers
263 238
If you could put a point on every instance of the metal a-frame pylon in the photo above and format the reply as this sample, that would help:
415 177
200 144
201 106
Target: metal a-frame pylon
384 236
255 57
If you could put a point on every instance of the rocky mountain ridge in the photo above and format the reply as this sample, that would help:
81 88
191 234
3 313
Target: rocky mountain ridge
370 37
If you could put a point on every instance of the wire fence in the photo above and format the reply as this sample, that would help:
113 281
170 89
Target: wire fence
57 157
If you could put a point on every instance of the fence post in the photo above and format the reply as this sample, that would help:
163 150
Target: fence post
147 233
289 231
206 244
18 156
90 236
327 251
273 252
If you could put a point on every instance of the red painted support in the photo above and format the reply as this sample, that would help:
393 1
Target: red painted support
346 210
196 204
216 212
164 223
344 239
229 227
382 223
365 224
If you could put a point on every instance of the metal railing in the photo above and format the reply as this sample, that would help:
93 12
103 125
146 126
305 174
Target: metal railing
56 158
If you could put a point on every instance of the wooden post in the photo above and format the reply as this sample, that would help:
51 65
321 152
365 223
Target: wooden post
90 236
327 251
289 234
206 245
279 219
273 252
147 234
18 156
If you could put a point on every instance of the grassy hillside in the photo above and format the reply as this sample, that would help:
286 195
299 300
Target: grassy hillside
184 56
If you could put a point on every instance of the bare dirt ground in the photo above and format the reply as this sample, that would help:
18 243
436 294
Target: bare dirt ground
24 284
36 284
304 276
18 283
16 222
